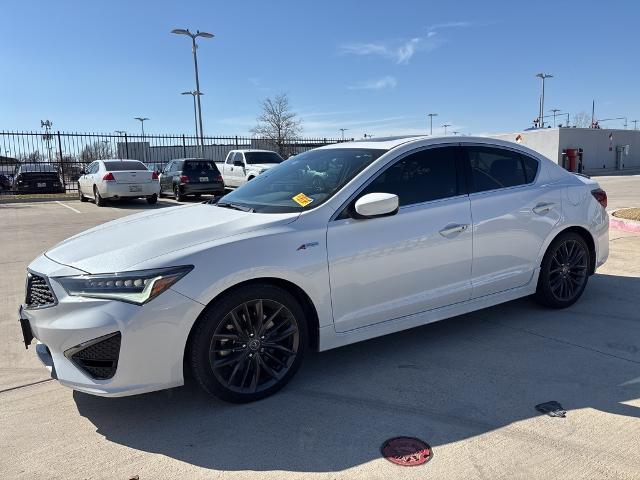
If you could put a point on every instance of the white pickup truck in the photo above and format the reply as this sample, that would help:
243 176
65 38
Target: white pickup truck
240 166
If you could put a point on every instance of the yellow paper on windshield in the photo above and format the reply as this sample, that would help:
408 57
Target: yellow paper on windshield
302 200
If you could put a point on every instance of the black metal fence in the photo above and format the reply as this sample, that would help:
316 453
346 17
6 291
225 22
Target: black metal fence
69 153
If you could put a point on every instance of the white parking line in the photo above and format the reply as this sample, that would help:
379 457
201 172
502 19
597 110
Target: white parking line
70 208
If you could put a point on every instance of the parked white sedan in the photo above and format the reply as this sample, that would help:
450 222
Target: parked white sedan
400 232
105 180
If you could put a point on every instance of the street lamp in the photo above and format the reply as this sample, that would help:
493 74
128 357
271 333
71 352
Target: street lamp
142 120
445 125
343 130
542 76
456 133
119 132
195 108
635 124
555 111
183 31
431 115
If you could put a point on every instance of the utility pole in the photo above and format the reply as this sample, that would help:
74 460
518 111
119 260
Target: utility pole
543 77
445 125
342 130
431 115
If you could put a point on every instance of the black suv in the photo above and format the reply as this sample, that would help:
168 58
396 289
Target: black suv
191 176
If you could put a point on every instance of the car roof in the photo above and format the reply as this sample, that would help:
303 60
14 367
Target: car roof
252 150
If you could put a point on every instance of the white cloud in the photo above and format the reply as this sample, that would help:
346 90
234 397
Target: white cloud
399 52
377 84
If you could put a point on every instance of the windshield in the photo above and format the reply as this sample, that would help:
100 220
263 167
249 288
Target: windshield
262 157
302 182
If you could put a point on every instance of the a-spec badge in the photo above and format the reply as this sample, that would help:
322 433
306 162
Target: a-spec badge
304 246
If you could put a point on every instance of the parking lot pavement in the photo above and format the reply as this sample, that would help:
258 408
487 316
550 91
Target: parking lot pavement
623 191
467 386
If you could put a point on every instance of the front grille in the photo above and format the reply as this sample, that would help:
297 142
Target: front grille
38 294
99 357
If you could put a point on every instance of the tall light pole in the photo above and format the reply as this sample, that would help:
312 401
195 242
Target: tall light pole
342 130
144 150
445 125
635 124
142 120
555 111
431 115
456 133
195 108
185 31
542 76
119 132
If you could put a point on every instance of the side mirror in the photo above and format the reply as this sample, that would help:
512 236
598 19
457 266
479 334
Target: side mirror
238 163
375 205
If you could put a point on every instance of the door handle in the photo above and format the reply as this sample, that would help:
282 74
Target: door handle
453 228
542 208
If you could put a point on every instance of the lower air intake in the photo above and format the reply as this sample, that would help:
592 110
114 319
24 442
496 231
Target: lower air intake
98 357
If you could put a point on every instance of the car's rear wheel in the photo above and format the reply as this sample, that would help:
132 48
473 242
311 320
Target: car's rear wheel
249 344
564 271
100 202
81 196
151 199
176 193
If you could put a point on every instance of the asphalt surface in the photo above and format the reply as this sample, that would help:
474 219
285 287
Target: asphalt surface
467 386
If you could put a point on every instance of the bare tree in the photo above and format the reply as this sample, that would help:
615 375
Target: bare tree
582 120
277 123
95 151
33 157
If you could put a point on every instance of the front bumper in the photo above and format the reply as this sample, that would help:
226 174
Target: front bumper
152 342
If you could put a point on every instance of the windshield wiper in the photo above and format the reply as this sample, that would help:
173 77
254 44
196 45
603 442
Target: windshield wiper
235 206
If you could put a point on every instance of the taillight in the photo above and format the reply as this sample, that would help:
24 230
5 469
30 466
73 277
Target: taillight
154 175
109 177
217 178
184 179
601 196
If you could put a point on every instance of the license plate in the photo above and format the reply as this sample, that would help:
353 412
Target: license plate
204 179
135 188
41 185
27 334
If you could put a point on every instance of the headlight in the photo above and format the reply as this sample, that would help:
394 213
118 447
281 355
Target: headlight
137 287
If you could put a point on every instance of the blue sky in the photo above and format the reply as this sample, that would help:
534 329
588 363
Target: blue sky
372 67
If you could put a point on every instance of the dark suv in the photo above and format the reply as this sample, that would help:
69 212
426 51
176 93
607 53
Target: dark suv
191 176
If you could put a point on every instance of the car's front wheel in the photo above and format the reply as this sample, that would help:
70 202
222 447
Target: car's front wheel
249 344
564 271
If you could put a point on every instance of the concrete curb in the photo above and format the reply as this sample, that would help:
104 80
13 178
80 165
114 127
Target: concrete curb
623 224
11 199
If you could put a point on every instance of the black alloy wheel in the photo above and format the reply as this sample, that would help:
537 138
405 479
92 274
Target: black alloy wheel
564 271
250 344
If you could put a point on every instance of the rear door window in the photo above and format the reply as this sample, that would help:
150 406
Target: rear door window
494 168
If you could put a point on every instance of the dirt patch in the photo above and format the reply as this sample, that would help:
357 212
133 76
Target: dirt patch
628 213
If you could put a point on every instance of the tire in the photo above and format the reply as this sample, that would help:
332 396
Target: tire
198 195
81 196
564 271
236 377
100 202
176 193
152 199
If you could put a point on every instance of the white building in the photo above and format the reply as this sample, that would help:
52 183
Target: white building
603 150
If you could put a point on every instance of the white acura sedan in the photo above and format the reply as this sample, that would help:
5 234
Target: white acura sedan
400 232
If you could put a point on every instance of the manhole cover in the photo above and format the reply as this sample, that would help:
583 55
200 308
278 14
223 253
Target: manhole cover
406 451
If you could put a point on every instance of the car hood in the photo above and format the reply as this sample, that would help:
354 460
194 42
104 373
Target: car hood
119 245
